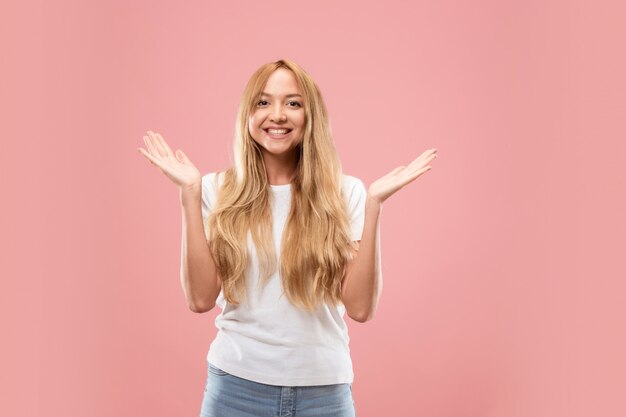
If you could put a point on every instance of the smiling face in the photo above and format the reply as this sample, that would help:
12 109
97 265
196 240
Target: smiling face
277 121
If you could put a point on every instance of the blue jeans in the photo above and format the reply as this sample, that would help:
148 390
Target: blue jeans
226 395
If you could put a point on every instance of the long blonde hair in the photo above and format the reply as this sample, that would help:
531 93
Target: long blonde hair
316 238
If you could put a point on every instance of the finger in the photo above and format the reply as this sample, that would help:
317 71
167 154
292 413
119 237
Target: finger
418 169
161 150
424 169
163 143
155 143
151 158
395 171
182 157
427 154
420 161
413 176
149 143
415 162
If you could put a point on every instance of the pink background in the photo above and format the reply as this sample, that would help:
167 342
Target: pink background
504 266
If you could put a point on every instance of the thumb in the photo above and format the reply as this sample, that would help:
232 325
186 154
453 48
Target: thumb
395 171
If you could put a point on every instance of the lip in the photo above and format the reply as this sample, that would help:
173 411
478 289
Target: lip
281 136
277 127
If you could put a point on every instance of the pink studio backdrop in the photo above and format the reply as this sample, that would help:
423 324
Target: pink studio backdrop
504 291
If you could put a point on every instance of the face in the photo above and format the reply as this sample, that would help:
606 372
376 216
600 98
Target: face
280 107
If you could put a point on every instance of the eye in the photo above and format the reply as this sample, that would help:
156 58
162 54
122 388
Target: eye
294 103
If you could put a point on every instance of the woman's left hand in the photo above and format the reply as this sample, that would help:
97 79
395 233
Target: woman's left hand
384 187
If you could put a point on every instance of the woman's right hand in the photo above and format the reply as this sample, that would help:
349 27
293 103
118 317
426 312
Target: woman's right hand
177 166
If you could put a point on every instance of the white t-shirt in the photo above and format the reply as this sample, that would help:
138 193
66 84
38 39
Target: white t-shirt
269 340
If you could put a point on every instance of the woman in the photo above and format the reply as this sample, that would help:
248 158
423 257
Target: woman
285 244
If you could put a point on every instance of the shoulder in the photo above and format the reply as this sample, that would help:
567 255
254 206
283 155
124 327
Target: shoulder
212 181
352 185
207 178
354 193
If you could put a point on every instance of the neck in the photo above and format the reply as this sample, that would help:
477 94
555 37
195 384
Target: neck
280 168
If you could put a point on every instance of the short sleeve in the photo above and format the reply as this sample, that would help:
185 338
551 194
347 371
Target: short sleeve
355 196
209 194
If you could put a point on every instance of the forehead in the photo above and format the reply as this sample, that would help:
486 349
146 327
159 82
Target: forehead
281 82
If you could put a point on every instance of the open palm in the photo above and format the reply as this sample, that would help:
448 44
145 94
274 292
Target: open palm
177 166
384 187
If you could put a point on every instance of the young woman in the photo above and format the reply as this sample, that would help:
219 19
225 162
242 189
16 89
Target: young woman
285 244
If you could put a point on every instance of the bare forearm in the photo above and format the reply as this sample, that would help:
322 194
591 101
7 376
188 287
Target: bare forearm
365 282
198 273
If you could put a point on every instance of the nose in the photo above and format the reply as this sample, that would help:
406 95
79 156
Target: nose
277 114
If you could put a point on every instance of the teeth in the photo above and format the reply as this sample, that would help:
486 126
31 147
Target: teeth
277 131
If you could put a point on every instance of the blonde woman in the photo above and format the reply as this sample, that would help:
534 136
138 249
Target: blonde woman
285 244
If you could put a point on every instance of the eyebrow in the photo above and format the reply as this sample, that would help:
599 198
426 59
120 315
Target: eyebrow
288 95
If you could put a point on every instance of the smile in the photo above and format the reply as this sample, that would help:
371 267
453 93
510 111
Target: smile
277 133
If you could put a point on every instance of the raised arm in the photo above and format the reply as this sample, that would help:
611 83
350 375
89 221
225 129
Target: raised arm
198 274
363 281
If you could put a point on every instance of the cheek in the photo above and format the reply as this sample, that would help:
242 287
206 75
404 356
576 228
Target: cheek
253 124
252 131
301 121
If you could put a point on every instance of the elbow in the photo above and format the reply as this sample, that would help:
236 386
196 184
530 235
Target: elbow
199 307
359 319
365 313
362 317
